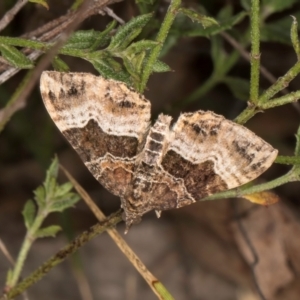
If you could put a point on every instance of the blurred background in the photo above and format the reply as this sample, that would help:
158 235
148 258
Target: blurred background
200 251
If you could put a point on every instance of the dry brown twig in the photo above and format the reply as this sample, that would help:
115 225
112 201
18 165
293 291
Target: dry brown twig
9 16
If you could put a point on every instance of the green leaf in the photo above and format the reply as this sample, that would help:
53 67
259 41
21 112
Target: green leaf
128 32
42 2
221 60
161 67
246 4
63 202
239 87
272 6
15 57
109 68
29 213
51 174
205 21
274 32
134 65
52 170
104 37
82 39
134 57
63 189
139 46
49 231
216 29
225 13
279 30
59 65
219 55
39 196
50 188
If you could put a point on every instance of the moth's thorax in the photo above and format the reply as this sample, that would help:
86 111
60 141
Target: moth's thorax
149 162
156 142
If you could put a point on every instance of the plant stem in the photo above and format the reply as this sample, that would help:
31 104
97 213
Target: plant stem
62 255
245 115
161 37
288 177
289 98
13 105
255 54
288 160
28 241
280 84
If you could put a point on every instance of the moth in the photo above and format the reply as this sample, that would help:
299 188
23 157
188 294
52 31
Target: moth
156 167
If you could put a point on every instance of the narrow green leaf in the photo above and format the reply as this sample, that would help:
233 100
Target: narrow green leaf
161 67
50 188
39 196
225 13
64 202
63 189
272 6
140 46
15 57
221 60
51 174
295 37
246 4
205 21
134 66
82 39
128 32
275 32
278 30
49 231
109 68
216 29
42 2
59 65
103 37
218 55
29 212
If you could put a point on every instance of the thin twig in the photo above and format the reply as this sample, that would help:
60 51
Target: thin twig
6 253
8 256
61 255
8 17
83 285
111 13
120 242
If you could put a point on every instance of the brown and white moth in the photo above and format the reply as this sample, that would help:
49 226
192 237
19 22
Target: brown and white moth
155 167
